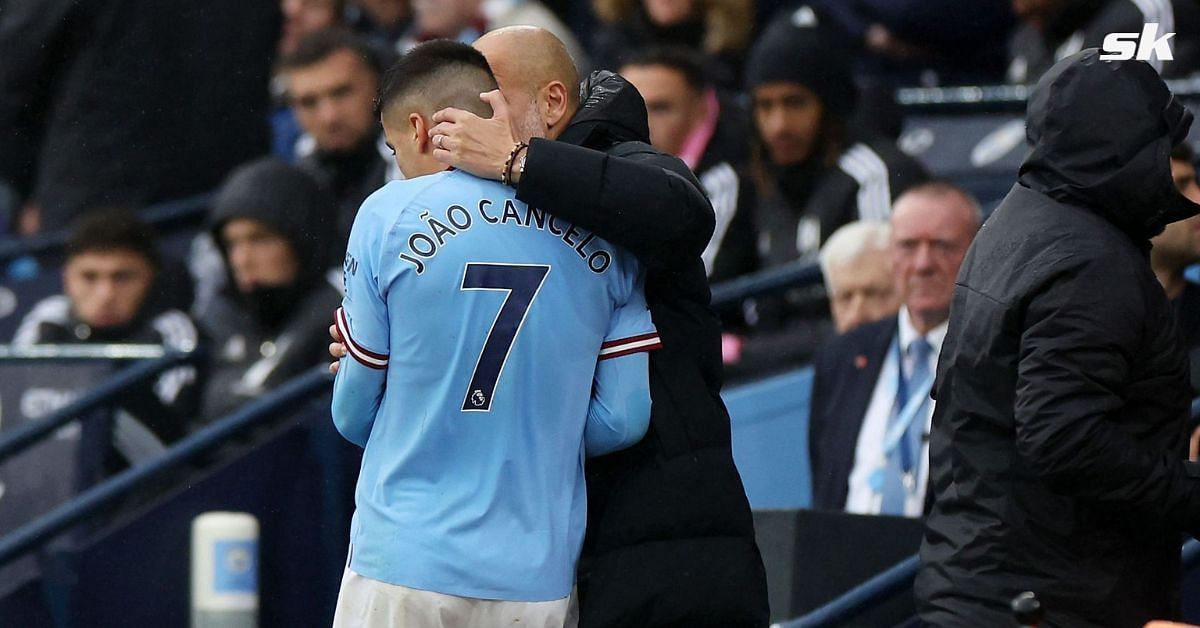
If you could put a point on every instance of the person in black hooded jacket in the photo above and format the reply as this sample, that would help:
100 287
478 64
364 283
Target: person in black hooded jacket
276 231
1058 446
670 540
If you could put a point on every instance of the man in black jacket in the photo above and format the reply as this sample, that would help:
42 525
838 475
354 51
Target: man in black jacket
708 132
670 540
1058 445
129 102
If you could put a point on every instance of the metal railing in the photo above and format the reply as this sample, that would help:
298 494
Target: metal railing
191 209
104 394
728 294
294 392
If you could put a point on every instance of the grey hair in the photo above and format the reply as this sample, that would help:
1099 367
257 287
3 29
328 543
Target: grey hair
851 243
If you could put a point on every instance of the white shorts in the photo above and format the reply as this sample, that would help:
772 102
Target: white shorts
366 603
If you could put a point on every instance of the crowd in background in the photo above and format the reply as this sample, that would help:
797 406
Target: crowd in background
784 109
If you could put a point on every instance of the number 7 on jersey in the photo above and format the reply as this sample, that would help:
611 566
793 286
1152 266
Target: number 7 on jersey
522 282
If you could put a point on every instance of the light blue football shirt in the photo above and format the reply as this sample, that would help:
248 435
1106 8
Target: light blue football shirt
488 318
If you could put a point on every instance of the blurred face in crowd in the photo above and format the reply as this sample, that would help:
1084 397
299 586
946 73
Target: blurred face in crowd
387 13
302 18
258 256
862 290
534 83
788 118
1037 12
107 287
444 18
930 236
673 107
334 100
668 12
1178 246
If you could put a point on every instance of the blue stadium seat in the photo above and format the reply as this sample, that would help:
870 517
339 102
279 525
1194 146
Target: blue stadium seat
770 439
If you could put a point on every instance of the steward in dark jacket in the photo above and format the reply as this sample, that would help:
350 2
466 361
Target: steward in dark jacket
1058 444
670 541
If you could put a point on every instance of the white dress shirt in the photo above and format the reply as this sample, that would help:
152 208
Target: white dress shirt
869 454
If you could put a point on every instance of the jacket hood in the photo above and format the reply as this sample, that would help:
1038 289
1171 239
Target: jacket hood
611 110
288 200
1101 134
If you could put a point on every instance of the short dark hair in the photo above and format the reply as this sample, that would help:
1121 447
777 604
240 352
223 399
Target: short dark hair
682 60
112 229
320 45
427 69
1183 152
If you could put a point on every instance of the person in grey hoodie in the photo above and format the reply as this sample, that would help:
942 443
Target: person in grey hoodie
277 233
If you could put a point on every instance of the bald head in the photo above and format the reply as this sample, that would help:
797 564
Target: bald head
536 74
932 227
527 58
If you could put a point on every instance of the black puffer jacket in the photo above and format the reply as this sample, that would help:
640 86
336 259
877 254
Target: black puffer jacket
670 541
1058 444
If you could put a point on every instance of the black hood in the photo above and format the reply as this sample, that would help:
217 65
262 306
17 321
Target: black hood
611 111
288 200
1101 134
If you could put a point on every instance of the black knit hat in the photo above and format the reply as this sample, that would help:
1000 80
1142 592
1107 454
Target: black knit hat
798 48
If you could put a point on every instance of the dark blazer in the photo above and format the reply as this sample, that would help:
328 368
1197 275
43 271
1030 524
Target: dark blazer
844 376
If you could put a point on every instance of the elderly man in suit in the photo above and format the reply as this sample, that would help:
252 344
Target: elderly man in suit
870 403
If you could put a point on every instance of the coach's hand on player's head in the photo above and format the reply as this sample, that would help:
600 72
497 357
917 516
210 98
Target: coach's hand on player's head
336 349
480 146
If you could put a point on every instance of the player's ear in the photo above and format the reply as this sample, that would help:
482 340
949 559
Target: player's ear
419 127
555 106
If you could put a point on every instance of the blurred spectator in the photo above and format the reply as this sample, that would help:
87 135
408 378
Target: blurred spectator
501 13
1052 30
720 29
110 281
302 18
687 119
870 402
382 22
813 173
274 227
331 80
926 41
856 262
1176 248
466 20
128 102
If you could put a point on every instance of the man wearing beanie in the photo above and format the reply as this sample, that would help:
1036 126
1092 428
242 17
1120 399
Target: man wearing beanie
1058 448
814 174
276 231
